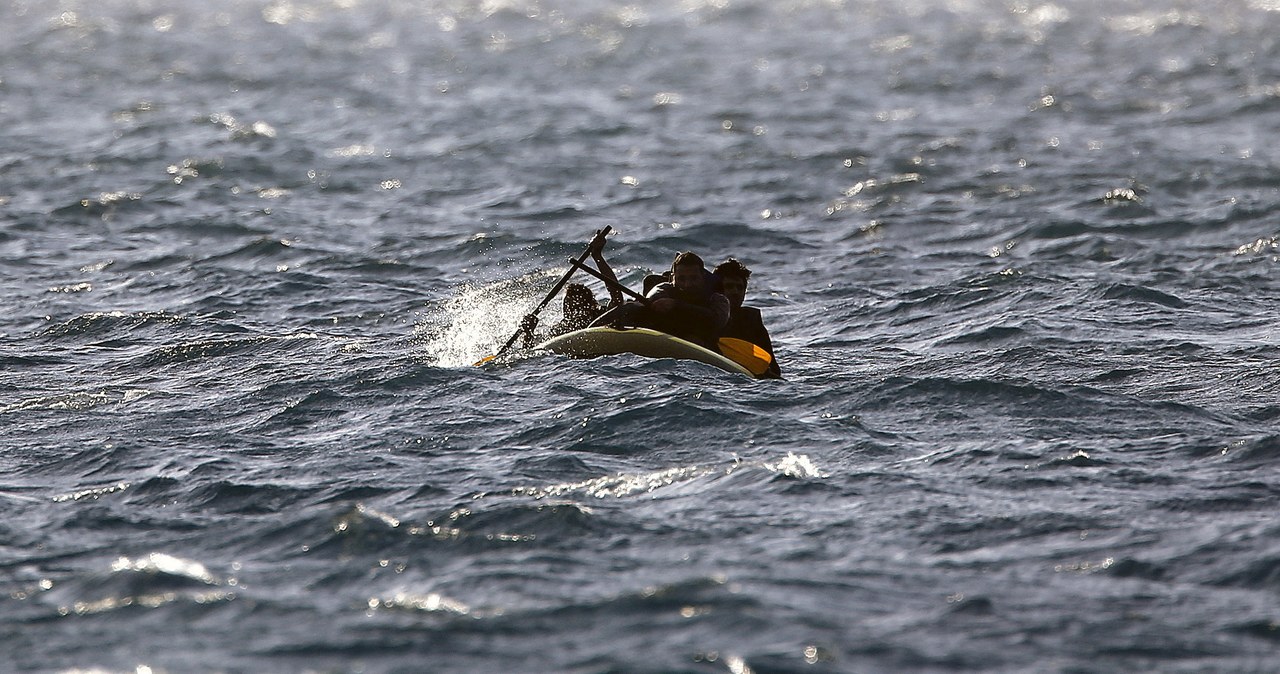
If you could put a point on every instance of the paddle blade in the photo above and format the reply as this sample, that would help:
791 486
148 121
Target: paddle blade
746 354
484 360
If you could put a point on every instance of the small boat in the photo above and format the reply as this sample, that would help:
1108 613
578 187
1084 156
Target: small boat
607 341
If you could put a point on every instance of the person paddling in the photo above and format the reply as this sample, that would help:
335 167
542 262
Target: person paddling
580 306
687 306
744 322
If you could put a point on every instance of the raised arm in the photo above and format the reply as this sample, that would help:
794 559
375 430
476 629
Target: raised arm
597 254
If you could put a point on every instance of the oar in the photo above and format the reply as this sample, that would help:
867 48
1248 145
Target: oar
740 351
554 291
578 264
746 354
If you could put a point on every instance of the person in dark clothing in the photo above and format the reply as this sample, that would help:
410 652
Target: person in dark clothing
688 306
744 322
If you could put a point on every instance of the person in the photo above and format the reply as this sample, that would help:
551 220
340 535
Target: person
687 306
580 306
744 322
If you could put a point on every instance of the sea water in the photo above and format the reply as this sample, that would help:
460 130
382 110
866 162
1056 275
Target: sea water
1019 260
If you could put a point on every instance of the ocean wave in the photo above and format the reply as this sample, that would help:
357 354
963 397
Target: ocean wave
1017 260
104 324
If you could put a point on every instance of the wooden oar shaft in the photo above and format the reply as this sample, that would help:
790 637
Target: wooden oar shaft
608 281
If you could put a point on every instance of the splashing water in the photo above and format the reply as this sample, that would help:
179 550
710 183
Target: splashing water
479 319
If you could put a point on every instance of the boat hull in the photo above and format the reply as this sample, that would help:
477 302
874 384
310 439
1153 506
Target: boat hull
606 341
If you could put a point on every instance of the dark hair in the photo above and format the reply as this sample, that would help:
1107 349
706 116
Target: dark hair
578 293
688 258
732 267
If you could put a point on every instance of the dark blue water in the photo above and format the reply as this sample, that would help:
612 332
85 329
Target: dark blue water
1019 261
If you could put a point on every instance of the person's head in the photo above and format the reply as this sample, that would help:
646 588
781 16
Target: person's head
733 280
688 273
579 300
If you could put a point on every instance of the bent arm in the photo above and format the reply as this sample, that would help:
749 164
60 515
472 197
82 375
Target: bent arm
719 308
615 295
708 321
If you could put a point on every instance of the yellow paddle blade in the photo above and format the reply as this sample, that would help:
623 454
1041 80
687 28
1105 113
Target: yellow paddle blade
746 354
484 360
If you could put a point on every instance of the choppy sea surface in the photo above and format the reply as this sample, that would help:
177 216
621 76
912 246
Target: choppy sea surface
1019 259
